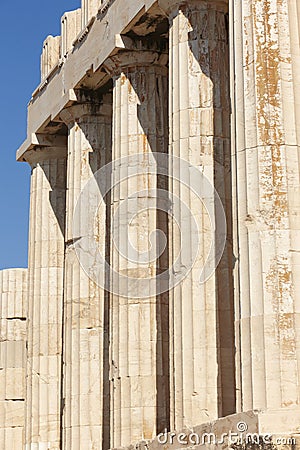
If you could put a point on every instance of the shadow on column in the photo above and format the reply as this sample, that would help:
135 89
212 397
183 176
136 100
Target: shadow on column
215 65
57 194
96 162
157 137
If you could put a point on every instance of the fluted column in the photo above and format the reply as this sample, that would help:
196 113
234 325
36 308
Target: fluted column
46 262
89 148
267 103
202 314
13 334
139 315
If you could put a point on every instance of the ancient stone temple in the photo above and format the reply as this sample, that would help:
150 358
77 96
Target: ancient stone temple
162 296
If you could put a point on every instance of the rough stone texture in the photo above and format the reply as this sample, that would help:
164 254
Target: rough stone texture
13 302
50 55
106 371
224 433
267 165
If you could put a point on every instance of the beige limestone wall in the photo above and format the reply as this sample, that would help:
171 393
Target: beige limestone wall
46 262
266 45
13 336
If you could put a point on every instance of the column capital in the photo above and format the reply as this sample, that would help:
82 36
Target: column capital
41 153
90 107
44 146
137 53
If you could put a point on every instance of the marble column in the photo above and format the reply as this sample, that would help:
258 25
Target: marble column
13 334
45 290
89 148
267 104
202 313
139 316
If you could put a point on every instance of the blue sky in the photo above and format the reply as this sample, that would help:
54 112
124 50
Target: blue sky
24 26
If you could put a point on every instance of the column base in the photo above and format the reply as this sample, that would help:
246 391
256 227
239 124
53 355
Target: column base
255 430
